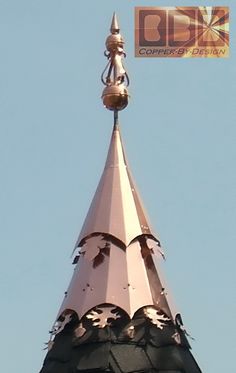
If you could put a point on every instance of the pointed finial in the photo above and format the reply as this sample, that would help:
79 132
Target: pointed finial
115 94
114 25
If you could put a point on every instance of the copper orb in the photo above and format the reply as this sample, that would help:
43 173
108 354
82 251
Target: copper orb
114 41
115 97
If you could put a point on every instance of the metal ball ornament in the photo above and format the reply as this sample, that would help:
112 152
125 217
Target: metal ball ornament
115 97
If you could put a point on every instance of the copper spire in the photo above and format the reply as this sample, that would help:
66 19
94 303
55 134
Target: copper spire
116 230
117 304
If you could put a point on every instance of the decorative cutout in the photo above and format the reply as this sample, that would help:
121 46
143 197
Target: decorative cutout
95 248
60 324
80 331
76 259
163 291
149 247
176 337
102 317
49 345
153 246
156 318
179 323
130 331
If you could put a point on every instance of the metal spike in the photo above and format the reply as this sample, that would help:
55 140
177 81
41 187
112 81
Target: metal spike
114 25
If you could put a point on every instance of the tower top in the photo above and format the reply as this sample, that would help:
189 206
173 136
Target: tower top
117 304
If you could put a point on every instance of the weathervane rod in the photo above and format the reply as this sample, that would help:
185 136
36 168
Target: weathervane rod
116 120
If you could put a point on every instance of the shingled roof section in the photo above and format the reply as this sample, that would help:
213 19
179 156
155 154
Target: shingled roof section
126 346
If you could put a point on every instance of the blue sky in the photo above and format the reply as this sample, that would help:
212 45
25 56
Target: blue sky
179 133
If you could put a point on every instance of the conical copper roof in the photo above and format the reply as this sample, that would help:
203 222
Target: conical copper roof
119 252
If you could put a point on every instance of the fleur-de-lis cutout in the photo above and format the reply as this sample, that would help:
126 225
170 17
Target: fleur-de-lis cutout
102 317
156 317
95 248
61 323
154 247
